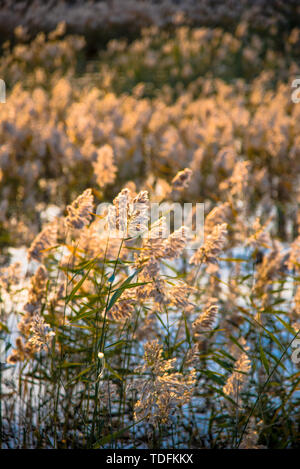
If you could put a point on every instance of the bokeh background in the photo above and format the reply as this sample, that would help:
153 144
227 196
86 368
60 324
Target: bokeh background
145 345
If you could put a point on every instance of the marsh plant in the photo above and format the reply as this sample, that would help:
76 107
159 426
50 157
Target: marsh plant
135 341
145 339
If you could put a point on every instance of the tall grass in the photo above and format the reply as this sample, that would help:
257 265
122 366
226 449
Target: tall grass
140 341
140 359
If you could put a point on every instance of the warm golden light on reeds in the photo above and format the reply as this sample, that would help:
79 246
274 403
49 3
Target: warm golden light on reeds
118 331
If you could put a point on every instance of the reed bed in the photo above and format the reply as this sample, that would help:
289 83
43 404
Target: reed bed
144 340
